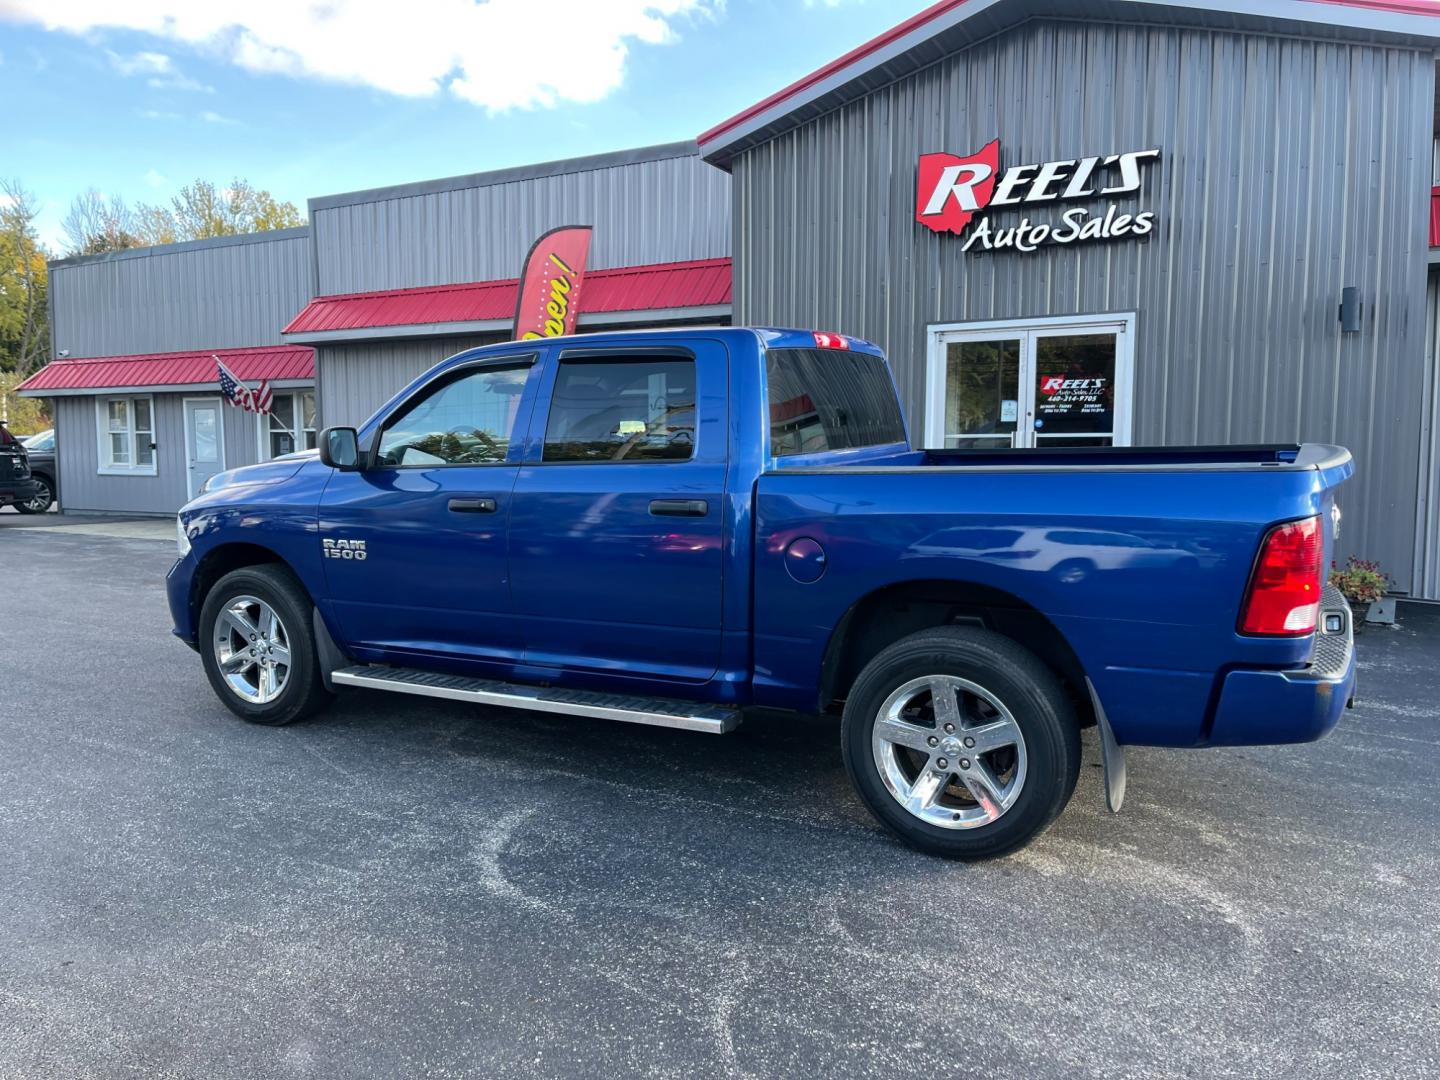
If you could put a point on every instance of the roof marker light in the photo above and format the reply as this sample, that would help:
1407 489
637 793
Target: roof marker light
830 341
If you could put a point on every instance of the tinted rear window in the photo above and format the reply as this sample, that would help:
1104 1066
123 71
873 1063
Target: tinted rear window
829 400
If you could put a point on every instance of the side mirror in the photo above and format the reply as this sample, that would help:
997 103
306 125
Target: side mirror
340 448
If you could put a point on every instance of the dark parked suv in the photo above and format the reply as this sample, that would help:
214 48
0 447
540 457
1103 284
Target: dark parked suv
40 449
16 485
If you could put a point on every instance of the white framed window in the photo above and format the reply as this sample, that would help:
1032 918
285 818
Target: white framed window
1031 383
125 428
289 426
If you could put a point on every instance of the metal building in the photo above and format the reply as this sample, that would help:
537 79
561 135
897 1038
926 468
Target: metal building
1243 168
382 285
1068 222
139 421
405 276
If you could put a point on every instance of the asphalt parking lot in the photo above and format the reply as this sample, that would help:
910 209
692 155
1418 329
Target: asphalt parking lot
413 888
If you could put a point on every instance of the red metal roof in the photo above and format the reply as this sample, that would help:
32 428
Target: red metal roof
935 11
660 286
1435 217
273 362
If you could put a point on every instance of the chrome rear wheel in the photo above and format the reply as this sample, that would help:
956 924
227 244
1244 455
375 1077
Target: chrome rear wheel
949 752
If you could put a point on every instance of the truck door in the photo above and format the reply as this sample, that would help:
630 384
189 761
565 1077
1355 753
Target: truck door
617 525
414 545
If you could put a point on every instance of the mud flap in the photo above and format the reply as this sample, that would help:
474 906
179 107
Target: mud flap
1112 753
331 657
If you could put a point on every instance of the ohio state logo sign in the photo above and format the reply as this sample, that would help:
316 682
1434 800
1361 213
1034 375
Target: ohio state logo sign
952 191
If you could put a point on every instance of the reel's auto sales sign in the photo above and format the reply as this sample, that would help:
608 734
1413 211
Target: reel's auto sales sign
952 191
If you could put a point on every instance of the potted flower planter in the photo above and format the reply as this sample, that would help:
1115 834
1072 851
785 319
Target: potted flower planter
1363 584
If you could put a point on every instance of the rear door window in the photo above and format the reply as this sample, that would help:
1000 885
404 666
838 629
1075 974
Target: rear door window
829 400
622 410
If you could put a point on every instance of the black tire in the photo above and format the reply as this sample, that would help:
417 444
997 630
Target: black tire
303 692
44 496
1017 678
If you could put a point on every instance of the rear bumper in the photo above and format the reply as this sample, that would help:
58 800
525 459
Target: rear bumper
13 491
1263 707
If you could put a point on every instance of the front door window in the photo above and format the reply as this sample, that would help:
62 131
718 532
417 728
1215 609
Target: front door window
1048 383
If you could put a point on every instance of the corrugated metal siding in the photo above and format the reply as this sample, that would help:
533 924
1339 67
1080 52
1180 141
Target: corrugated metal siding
1291 169
228 296
672 210
83 488
1427 513
355 380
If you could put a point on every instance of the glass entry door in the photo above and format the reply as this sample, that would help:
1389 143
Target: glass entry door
1045 383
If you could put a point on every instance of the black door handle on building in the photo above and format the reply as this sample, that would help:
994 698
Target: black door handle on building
473 506
679 507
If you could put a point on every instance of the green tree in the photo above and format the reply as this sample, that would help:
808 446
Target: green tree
96 224
203 210
24 326
23 415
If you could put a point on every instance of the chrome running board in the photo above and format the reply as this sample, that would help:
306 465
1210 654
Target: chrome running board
658 712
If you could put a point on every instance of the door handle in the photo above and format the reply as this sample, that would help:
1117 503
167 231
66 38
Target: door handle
679 507
472 506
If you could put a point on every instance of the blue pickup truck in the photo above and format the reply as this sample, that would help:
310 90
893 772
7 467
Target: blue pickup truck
674 527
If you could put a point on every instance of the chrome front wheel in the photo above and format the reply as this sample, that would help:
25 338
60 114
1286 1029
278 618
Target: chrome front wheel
252 649
949 752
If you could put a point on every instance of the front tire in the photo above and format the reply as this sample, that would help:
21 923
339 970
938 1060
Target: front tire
961 742
258 646
43 499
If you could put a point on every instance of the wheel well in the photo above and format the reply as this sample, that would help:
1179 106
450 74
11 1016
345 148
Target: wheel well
889 614
216 564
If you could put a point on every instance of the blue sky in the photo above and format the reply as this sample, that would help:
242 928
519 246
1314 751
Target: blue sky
134 100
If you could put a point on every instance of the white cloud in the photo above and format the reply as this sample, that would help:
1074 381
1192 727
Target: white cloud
215 118
158 114
155 178
159 69
140 63
501 54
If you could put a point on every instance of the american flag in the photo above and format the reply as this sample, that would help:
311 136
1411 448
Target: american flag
240 395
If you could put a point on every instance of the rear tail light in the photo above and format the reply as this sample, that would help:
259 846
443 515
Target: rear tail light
831 341
1284 594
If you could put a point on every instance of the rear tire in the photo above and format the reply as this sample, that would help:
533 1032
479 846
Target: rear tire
996 777
43 499
257 643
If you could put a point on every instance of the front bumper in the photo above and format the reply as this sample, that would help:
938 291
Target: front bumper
178 584
1263 707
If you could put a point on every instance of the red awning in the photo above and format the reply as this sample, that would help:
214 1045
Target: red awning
278 363
658 287
1435 217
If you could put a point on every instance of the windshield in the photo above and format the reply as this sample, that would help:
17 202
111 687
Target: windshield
43 442
827 399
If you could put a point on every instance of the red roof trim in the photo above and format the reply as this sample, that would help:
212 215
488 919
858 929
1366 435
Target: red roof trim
1399 7
935 11
277 363
659 286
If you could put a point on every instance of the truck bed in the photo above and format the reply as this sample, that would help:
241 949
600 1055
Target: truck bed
1128 458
